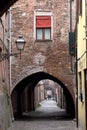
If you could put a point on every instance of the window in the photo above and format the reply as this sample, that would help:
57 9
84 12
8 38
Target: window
43 28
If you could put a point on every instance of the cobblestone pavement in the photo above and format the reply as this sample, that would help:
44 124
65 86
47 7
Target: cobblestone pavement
43 125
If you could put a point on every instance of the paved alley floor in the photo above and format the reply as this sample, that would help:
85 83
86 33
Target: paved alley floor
48 109
43 125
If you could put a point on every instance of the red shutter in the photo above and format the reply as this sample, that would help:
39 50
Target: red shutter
43 21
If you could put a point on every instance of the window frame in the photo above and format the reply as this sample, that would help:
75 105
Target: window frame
43 34
43 13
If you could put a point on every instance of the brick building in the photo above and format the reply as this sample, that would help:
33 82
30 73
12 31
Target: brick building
46 58
45 25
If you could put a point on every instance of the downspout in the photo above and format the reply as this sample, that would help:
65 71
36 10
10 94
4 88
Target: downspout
10 61
71 28
76 85
77 4
76 108
70 15
10 49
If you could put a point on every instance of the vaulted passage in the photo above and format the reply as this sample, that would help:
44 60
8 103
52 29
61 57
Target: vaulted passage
23 95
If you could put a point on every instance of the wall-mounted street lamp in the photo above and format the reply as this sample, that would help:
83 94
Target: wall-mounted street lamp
20 43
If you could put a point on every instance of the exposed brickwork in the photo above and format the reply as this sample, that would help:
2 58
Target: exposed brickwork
54 55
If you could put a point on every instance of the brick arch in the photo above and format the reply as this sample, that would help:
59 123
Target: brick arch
34 77
26 72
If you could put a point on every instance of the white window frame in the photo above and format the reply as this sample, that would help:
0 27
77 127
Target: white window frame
43 13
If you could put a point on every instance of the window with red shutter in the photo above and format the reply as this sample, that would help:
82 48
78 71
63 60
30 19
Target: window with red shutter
43 28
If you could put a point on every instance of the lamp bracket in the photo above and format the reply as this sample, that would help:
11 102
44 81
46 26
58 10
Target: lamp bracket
7 55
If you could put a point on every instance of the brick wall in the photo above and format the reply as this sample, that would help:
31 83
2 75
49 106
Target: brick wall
54 55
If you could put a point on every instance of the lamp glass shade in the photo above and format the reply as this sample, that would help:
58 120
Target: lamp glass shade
20 43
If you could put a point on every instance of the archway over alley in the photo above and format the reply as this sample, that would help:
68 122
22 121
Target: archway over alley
24 92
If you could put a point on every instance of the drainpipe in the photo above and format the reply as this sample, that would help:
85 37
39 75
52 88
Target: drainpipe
77 13
76 95
70 15
10 61
10 48
71 27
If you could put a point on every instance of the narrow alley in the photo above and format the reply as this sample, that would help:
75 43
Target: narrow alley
45 118
48 109
43 64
